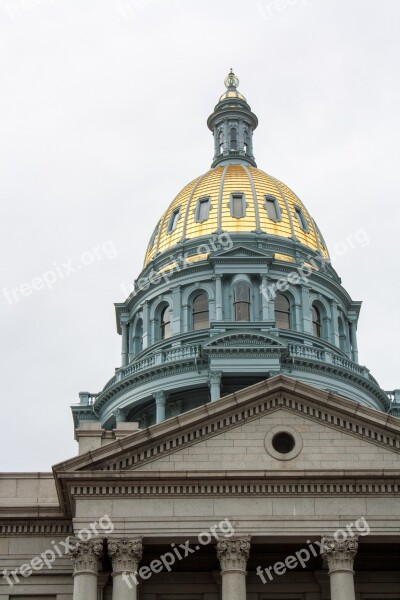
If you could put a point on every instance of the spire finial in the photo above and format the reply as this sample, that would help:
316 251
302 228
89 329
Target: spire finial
231 81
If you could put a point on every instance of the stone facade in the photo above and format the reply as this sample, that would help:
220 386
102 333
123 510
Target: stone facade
275 508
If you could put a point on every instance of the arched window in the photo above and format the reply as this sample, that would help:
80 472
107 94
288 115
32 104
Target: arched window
246 141
282 312
138 339
241 301
233 138
200 314
316 321
221 142
165 323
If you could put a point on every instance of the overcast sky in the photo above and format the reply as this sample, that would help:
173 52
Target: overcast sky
103 108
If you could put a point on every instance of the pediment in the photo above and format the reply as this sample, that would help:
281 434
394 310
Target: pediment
242 251
244 339
335 432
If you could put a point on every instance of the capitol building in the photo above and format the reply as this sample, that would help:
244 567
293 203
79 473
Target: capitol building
240 450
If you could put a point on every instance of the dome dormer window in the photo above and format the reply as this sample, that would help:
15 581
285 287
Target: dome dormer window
173 220
238 205
272 208
202 209
301 219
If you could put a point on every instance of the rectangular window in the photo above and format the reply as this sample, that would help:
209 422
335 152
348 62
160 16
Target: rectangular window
238 206
301 218
173 220
203 210
272 208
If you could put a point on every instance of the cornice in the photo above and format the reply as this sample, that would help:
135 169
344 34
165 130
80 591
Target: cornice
38 528
209 420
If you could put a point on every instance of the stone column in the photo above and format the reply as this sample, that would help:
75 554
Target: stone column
160 399
306 310
215 385
86 557
335 325
339 556
125 555
146 325
264 297
119 415
233 554
176 310
125 344
218 297
354 345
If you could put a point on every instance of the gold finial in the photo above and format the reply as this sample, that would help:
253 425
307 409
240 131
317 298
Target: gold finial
231 81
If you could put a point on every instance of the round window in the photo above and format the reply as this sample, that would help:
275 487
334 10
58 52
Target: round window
283 442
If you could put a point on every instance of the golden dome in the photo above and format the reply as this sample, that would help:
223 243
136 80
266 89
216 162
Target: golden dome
291 219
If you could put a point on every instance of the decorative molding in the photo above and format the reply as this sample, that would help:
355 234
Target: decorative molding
235 338
86 556
339 554
63 529
125 555
236 485
233 553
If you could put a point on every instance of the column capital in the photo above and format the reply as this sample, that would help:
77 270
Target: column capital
339 554
159 397
233 553
86 556
215 376
125 554
119 414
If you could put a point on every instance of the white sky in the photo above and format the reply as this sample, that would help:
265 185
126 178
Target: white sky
103 107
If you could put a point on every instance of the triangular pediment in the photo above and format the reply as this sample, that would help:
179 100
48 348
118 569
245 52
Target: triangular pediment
335 432
241 251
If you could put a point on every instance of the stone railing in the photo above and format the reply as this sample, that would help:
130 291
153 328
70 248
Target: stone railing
326 356
349 365
181 352
136 367
306 352
153 360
